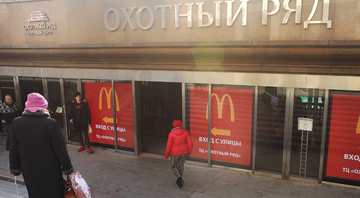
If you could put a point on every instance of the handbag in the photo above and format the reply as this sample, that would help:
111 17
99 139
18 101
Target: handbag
80 186
69 191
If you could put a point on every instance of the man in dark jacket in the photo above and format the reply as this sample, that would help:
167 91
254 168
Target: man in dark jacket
9 110
80 115
38 150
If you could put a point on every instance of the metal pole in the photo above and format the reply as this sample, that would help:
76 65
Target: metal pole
114 112
209 126
289 111
79 87
323 136
17 91
183 107
255 128
136 149
62 93
301 149
45 89
306 152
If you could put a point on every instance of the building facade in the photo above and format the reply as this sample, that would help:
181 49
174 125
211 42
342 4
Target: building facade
265 85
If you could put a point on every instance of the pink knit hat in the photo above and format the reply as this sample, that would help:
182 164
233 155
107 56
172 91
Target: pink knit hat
36 101
177 123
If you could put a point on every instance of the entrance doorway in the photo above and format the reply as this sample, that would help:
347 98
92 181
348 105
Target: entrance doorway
306 144
283 146
271 124
158 104
55 103
6 88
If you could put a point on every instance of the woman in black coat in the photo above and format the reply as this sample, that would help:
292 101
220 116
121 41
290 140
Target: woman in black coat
38 150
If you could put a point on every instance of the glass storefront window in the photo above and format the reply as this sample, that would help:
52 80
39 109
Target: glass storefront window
30 85
270 128
231 123
343 142
6 88
99 98
196 123
124 115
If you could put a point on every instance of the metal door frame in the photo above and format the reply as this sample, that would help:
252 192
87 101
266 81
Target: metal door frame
289 112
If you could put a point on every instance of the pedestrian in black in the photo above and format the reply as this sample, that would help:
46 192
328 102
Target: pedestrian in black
9 110
80 115
38 150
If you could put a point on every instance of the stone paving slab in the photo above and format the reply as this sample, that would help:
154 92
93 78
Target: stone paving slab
8 190
114 175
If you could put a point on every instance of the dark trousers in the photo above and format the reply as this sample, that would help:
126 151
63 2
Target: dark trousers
8 128
87 140
81 133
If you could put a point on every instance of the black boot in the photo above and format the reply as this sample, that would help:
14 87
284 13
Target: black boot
181 182
178 182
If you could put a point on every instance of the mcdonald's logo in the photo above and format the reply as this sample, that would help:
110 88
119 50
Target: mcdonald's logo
108 97
358 126
220 104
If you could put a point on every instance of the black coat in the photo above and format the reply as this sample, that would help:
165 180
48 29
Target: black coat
38 151
85 115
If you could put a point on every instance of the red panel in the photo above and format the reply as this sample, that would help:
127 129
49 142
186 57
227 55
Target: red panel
344 143
231 124
100 102
198 121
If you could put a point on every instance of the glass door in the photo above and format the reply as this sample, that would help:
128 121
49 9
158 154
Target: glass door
306 132
55 104
6 88
270 129
70 88
159 105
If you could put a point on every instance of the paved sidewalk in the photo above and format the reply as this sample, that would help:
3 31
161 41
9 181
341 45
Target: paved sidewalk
113 175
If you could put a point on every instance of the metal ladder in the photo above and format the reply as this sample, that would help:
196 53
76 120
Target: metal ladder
303 153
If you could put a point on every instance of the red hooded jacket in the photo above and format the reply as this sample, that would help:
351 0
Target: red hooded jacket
179 143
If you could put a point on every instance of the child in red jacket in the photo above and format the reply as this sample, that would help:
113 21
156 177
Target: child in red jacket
179 144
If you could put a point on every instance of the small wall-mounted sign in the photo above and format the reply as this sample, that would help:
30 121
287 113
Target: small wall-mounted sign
305 124
41 28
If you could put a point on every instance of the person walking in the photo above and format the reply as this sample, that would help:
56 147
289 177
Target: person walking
38 150
80 115
179 145
9 110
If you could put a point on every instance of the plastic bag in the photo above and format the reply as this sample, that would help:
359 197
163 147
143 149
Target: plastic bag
80 186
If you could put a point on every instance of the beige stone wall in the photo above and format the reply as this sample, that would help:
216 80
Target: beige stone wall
81 39
82 22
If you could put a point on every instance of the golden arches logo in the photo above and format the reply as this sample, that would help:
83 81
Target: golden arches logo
220 105
358 126
108 97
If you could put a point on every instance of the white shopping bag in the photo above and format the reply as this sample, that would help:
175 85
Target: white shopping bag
80 186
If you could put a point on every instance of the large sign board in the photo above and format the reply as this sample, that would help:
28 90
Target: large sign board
101 106
344 139
210 14
231 124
